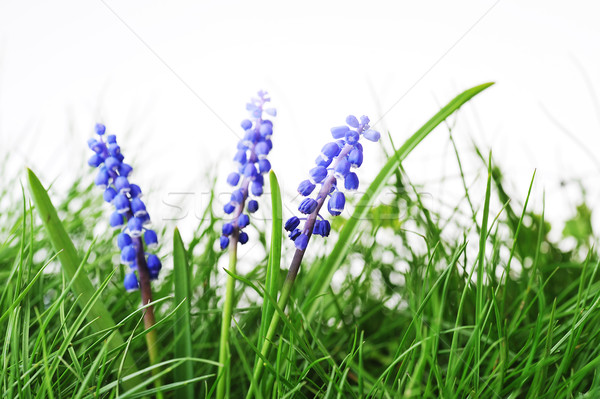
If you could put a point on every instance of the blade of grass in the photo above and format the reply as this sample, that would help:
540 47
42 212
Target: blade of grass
339 252
181 322
98 315
273 266
274 262
479 305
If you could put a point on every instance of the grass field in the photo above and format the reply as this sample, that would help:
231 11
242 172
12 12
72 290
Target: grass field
400 301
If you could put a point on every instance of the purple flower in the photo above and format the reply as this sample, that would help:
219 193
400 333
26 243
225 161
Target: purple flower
333 163
130 215
252 164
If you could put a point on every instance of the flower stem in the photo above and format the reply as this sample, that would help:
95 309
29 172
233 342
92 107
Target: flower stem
292 274
281 304
149 320
226 322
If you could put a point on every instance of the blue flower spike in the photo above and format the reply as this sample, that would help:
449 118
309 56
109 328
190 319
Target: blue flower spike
130 215
251 164
335 163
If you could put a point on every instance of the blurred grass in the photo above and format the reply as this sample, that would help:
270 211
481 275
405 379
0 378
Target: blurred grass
425 303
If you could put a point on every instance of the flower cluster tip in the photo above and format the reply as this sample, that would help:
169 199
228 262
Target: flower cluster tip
252 164
335 163
130 215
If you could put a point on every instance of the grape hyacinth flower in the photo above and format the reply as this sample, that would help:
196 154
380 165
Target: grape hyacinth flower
130 215
252 164
247 181
334 165
131 218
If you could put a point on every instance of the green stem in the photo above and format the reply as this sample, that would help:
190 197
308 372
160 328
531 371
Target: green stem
226 322
281 304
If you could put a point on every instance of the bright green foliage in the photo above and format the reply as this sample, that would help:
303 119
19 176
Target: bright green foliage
431 298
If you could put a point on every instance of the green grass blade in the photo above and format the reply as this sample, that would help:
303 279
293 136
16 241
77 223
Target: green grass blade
100 318
273 266
181 322
341 248
479 304
92 372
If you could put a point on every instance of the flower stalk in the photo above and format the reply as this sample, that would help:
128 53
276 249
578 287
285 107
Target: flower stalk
251 158
334 162
130 217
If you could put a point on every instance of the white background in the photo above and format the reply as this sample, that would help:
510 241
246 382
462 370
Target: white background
171 79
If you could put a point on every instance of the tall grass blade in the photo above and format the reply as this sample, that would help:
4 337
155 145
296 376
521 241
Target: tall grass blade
182 321
339 252
274 263
99 317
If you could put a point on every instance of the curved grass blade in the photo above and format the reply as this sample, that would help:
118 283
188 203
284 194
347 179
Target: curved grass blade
274 263
339 252
181 322
100 318
271 283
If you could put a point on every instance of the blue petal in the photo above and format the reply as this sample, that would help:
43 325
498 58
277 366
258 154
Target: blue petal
122 184
294 234
135 225
237 197
243 220
128 254
337 201
228 208
320 161
109 194
154 262
112 163
116 220
125 169
372 135
123 240
95 160
121 203
355 157
266 129
150 239
307 206
306 187
233 179
351 181
256 188
352 137
135 191
262 149
131 282
318 174
264 166
342 168
246 124
330 150
223 242
292 223
339 132
252 206
301 242
138 207
352 121
100 129
102 178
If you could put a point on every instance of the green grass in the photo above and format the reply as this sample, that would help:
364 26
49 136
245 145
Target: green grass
474 302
